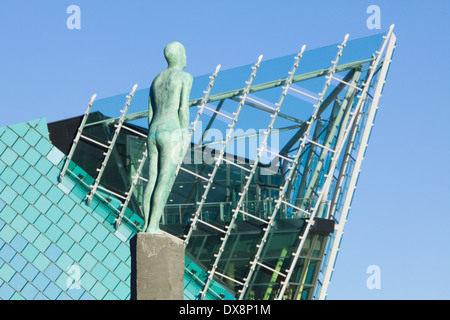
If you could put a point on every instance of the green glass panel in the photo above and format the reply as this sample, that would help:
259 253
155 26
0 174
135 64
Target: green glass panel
43 147
77 214
9 137
42 224
111 261
6 272
43 185
122 291
110 281
42 242
111 242
88 261
54 194
21 147
30 252
30 233
54 233
54 213
66 223
66 204
53 174
43 204
99 252
20 128
88 242
32 137
31 194
2 145
41 262
87 281
19 223
99 271
32 175
43 166
89 223
100 232
64 261
55 156
122 271
19 204
9 156
77 232
65 242
31 156
9 176
76 252
7 214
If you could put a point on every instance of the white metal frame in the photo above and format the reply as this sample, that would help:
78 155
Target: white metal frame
119 126
196 219
77 138
201 108
347 135
110 146
281 197
389 46
129 193
249 178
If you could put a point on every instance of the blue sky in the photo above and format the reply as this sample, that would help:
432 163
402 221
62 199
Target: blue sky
399 219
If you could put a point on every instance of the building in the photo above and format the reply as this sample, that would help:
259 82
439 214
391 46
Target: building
261 198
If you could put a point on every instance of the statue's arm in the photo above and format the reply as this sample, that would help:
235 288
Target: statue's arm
183 113
150 108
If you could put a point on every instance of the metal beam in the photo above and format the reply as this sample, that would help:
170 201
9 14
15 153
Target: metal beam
289 177
331 97
339 122
255 88
322 108
282 82
281 115
339 229
246 136
311 218
219 106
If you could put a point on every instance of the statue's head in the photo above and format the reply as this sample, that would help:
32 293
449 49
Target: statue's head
175 55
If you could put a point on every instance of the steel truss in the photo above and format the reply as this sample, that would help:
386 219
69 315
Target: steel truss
343 113
387 49
125 198
321 150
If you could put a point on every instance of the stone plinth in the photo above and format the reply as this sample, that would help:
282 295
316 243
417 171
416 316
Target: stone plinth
157 267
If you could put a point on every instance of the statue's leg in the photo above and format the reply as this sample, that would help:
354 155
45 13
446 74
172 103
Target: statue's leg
168 157
153 173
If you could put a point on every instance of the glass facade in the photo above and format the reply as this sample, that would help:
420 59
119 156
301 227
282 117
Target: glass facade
256 199
52 245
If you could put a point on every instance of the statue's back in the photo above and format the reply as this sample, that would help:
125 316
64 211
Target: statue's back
165 95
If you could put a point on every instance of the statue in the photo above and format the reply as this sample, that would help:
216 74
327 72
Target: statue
168 119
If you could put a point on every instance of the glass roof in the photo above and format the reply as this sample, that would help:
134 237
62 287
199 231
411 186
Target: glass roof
274 69
309 125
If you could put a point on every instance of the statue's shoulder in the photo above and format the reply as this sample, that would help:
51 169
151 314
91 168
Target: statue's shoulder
188 77
174 76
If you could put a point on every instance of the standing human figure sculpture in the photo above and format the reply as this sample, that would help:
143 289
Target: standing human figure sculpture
168 132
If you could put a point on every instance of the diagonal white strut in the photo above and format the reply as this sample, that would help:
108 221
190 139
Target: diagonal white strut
110 146
254 166
334 160
201 108
129 194
283 189
219 159
339 229
77 138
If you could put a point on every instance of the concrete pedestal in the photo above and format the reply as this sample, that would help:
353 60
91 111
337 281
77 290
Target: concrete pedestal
157 267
